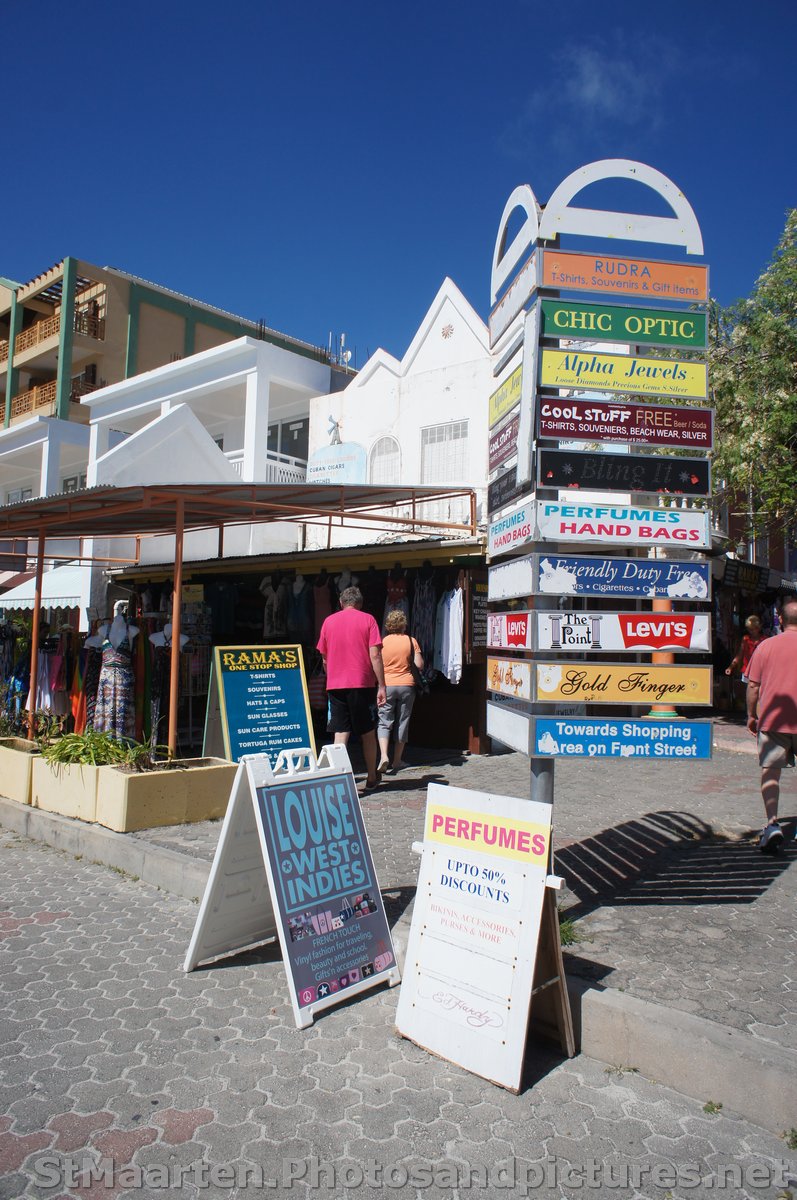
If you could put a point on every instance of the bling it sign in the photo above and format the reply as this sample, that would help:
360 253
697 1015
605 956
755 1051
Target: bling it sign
623 525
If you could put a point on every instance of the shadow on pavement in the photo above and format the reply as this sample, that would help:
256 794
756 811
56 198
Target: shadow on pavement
667 858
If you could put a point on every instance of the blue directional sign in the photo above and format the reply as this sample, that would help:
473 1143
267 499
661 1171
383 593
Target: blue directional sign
625 737
570 575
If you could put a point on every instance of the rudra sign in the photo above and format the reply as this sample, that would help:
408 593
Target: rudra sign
577 272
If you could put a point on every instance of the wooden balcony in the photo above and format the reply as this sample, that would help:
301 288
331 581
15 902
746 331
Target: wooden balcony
3 351
85 323
35 398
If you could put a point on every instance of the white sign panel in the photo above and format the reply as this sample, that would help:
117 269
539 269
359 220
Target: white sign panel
509 726
509 580
513 300
621 525
512 531
472 947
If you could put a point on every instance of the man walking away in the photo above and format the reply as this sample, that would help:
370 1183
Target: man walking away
772 715
351 647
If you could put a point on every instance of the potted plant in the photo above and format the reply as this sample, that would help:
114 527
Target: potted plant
128 785
17 749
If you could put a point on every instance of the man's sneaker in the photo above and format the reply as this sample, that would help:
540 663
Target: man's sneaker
771 838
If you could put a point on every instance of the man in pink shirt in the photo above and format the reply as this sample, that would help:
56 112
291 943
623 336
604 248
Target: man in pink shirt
772 714
351 646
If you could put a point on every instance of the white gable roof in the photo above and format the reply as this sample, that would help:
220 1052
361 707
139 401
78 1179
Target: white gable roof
174 448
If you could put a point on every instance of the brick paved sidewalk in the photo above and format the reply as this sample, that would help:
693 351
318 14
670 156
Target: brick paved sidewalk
113 1062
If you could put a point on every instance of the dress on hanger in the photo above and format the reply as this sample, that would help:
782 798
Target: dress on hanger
115 712
423 612
396 597
323 604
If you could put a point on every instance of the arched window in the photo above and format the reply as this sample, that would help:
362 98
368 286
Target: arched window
385 461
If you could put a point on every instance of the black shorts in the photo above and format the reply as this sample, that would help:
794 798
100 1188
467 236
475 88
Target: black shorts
352 710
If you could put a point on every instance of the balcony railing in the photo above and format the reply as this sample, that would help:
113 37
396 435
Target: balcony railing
280 468
35 398
3 351
85 323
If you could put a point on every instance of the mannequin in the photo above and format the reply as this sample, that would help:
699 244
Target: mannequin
165 638
275 614
116 631
345 579
300 607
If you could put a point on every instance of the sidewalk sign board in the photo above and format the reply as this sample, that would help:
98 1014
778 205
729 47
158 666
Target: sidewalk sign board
293 861
473 943
257 702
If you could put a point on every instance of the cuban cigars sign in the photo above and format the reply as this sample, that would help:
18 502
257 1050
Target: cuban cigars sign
472 946
594 632
645 473
584 371
571 271
628 738
617 421
505 398
622 683
620 524
637 326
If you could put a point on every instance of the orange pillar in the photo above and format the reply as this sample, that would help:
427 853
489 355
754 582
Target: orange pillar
174 673
34 638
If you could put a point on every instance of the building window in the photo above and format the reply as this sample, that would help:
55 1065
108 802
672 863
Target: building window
444 453
73 483
385 462
19 494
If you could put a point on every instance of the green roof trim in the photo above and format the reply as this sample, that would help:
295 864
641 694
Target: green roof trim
9 283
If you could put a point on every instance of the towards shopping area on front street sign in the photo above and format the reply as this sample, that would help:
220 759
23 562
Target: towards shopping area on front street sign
585 632
637 737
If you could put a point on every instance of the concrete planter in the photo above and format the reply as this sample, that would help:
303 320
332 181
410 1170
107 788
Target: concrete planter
65 788
193 789
16 768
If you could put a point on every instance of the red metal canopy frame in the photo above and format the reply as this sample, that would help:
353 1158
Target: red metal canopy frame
174 509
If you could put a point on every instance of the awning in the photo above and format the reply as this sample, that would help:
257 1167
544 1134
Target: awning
61 588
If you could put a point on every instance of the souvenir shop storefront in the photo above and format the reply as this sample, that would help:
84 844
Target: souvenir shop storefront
741 590
441 586
124 677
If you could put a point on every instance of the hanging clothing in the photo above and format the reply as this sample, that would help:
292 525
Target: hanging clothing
322 600
396 598
448 635
159 703
300 619
92 680
275 614
114 712
423 614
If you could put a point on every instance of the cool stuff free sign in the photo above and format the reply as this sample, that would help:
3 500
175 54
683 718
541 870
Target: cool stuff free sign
646 424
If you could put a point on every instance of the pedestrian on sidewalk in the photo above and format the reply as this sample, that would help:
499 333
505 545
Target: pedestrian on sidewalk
772 715
753 637
351 647
398 651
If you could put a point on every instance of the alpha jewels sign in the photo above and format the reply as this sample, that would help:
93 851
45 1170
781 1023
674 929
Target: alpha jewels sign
577 272
613 421
640 738
504 398
594 632
638 326
620 683
580 371
623 472
620 525
475 926
584 575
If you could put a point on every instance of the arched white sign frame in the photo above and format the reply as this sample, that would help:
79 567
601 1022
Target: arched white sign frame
506 258
559 217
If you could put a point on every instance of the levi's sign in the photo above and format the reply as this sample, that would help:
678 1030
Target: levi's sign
504 398
650 424
623 472
618 683
638 326
611 274
582 371
621 524
586 737
568 575
594 632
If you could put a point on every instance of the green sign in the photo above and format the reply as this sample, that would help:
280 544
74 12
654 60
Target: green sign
600 322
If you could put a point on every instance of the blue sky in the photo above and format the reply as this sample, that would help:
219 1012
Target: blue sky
324 167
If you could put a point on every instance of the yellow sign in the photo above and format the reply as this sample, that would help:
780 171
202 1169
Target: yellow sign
582 371
523 841
622 683
506 397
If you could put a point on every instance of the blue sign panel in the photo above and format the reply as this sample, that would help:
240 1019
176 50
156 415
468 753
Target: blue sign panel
625 737
335 932
263 699
566 575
